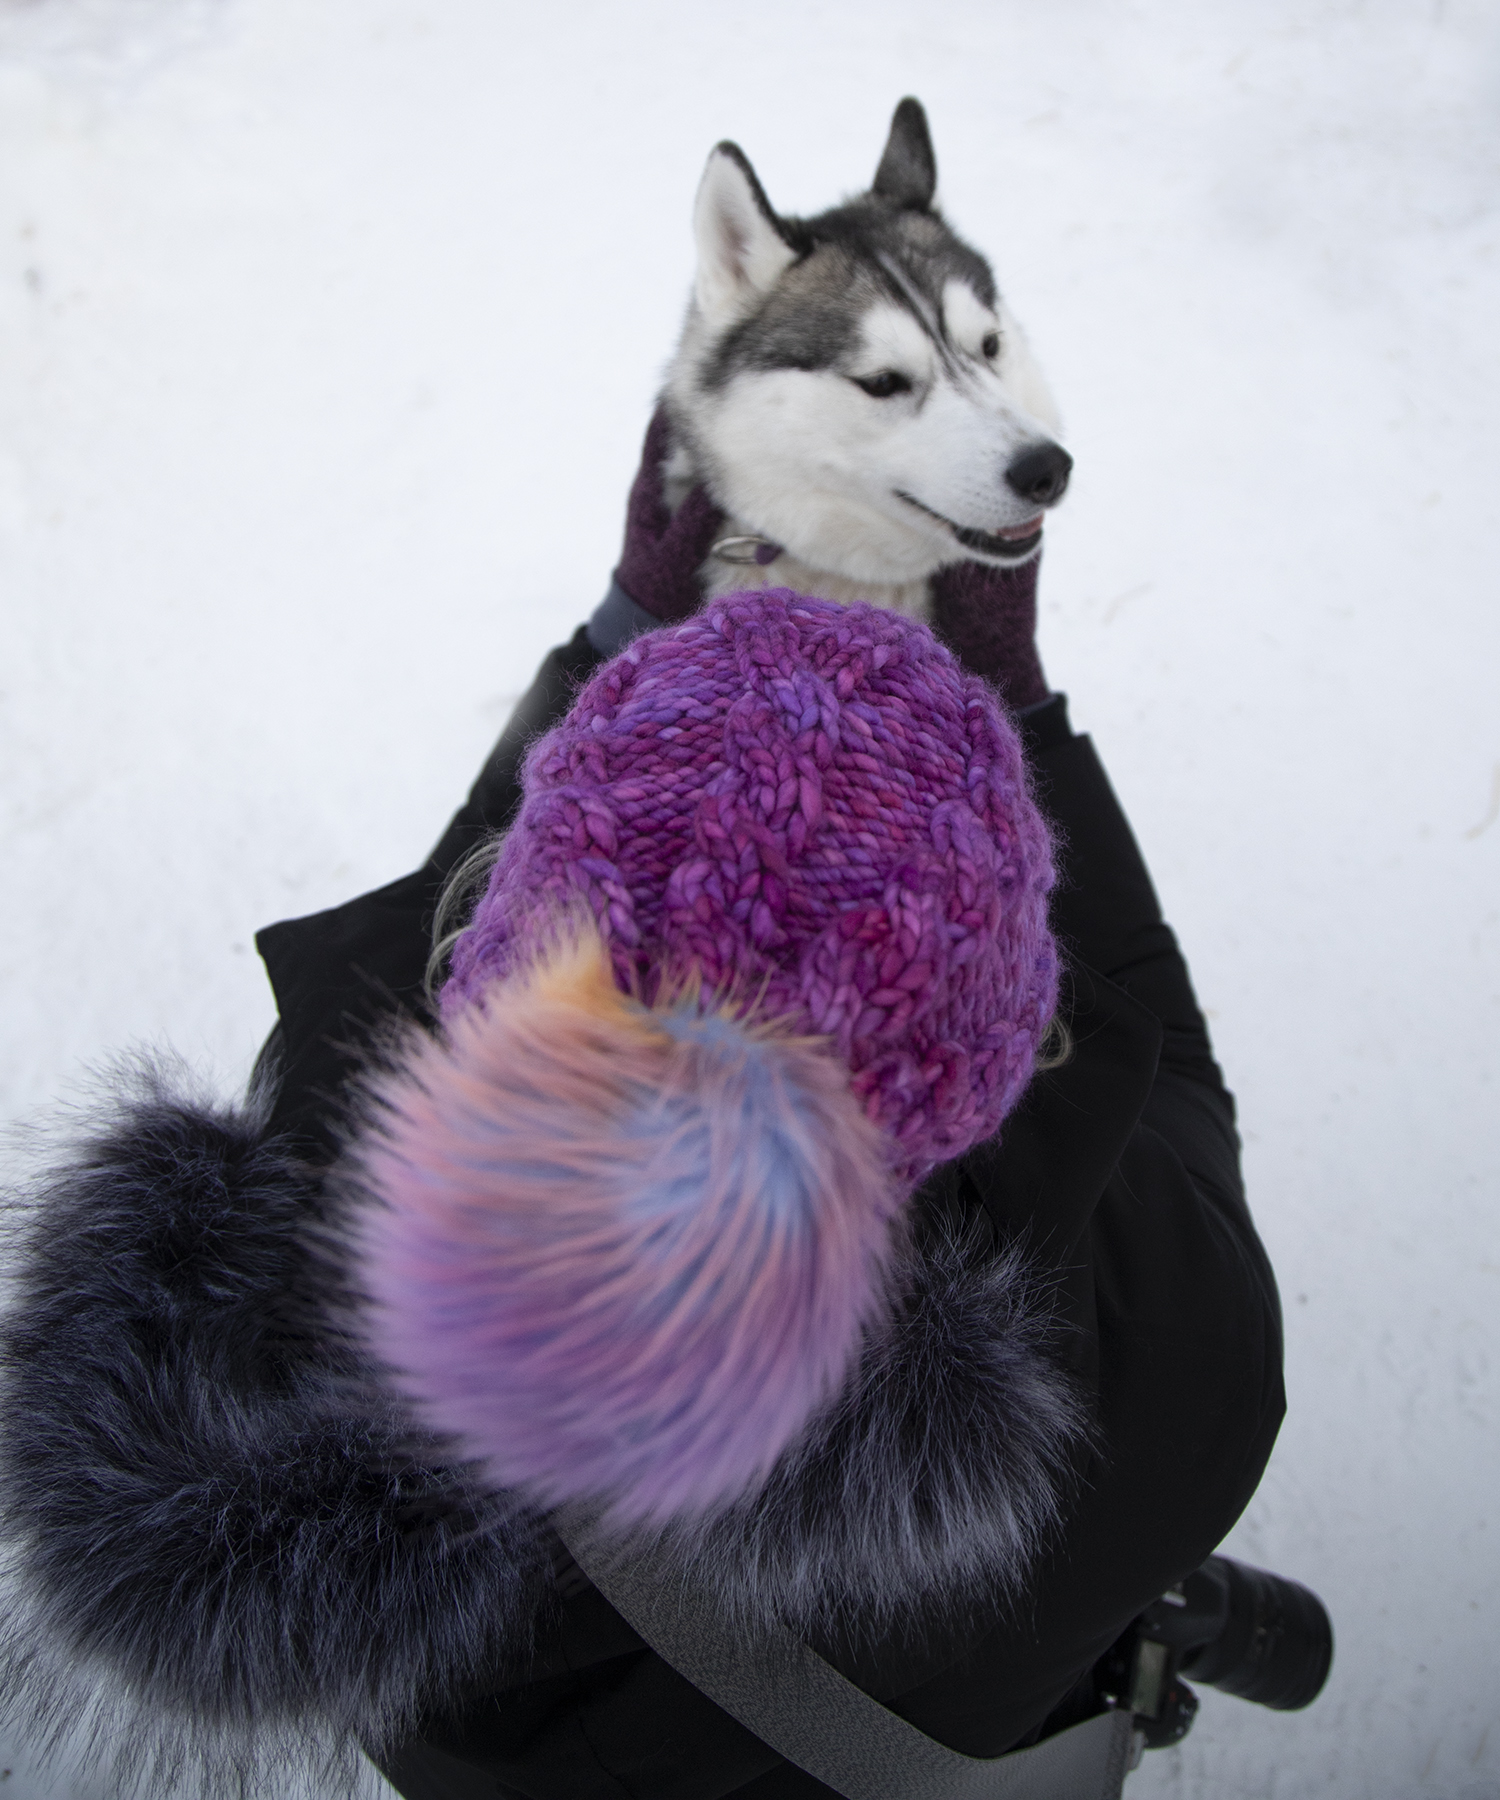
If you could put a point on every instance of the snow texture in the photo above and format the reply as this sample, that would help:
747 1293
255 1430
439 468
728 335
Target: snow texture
327 337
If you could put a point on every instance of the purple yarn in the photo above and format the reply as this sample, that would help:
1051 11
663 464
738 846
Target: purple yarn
663 551
987 617
766 941
813 805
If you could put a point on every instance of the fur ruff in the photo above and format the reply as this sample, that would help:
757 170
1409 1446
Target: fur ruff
922 1497
222 1551
226 1554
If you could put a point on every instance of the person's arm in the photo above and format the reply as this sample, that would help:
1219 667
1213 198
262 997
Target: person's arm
1120 1173
1107 917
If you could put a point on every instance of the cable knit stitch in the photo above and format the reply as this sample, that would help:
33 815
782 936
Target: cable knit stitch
812 804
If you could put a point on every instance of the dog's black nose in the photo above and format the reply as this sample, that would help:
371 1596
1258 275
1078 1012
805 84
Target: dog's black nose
1040 474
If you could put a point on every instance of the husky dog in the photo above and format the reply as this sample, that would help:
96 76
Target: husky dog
854 392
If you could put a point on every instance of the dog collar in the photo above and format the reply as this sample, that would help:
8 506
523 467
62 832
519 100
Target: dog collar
748 548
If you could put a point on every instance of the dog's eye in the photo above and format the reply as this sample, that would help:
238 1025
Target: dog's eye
883 385
990 344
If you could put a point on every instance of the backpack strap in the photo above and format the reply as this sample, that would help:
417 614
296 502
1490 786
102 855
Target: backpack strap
802 1707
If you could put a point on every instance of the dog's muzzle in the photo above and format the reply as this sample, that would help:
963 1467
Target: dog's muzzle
1017 542
1039 474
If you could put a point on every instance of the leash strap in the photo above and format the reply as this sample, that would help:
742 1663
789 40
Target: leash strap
802 1707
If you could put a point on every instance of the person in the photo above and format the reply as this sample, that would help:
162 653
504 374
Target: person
264 1495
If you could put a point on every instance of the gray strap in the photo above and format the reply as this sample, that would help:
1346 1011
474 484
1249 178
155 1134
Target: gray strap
616 620
801 1706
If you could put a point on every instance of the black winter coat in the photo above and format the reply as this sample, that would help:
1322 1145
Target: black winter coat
301 1545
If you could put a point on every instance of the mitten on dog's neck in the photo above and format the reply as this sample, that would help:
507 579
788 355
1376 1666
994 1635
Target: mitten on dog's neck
987 617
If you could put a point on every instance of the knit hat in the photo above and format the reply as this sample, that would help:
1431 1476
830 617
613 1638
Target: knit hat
766 942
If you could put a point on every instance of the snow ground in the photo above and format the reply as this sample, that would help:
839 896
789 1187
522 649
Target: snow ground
327 336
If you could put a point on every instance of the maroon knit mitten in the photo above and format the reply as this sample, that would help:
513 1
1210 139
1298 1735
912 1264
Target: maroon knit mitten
987 617
664 551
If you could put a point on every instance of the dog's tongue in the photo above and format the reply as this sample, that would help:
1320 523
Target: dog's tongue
1013 532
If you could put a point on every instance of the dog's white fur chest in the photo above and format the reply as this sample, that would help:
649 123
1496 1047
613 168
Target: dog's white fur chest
911 598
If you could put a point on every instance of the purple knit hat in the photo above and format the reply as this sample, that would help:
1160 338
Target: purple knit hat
766 942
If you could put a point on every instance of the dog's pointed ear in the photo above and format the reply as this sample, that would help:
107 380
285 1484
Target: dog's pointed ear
742 245
908 170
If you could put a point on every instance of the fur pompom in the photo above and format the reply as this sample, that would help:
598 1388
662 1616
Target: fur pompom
621 1254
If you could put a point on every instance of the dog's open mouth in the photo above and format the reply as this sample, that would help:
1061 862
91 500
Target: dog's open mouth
1016 541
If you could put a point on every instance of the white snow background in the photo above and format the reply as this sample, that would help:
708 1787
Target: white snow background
328 333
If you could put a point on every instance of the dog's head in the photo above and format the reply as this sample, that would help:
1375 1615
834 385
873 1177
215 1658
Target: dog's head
853 387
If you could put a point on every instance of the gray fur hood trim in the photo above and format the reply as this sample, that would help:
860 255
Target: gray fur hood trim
923 1496
220 1553
226 1552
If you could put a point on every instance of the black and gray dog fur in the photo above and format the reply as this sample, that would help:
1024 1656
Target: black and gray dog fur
888 244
